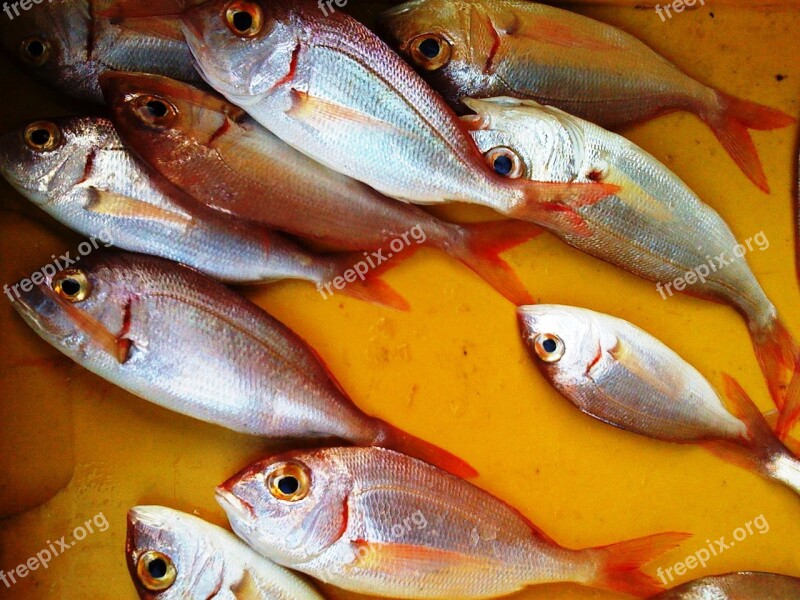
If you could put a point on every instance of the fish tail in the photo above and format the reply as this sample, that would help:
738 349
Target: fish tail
554 205
393 438
730 122
779 357
358 278
480 248
620 569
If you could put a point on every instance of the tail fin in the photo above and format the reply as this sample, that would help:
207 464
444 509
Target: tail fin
730 125
481 248
553 205
395 439
359 278
779 357
620 570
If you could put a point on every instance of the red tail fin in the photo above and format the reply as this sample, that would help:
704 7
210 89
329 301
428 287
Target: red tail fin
393 438
779 357
730 125
552 205
481 250
359 277
620 570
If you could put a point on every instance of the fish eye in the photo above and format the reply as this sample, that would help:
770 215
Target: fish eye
431 51
42 136
243 18
289 482
155 112
156 571
72 285
35 51
505 162
549 347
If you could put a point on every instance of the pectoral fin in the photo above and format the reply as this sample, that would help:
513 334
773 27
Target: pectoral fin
116 205
410 560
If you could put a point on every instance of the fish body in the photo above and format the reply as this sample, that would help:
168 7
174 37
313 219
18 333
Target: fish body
179 339
654 226
330 88
90 182
173 555
528 50
381 523
621 375
222 158
736 586
69 43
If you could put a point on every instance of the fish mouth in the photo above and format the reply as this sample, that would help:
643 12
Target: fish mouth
232 504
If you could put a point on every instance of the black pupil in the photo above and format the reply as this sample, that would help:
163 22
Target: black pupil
243 21
157 568
71 287
36 49
503 165
40 137
157 108
430 48
288 485
549 346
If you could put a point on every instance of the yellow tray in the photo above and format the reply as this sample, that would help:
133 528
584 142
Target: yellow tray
452 370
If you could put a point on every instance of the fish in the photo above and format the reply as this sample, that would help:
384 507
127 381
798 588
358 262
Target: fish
221 157
654 227
744 585
181 340
382 523
68 44
333 90
621 375
173 555
532 51
81 173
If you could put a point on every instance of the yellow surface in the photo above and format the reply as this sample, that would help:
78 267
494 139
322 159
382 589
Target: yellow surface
452 370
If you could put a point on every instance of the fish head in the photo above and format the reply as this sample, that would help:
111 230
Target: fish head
161 116
291 508
167 555
242 48
436 37
87 309
564 341
52 42
44 160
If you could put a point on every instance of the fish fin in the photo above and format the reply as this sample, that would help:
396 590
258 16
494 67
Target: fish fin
116 205
779 357
369 286
556 33
730 123
247 588
481 252
792 444
393 438
319 113
406 559
554 205
621 563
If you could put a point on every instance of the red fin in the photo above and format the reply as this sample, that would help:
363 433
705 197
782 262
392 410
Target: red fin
481 252
367 284
731 125
779 358
552 205
407 559
621 566
395 439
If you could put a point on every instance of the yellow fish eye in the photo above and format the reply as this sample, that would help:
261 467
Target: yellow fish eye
35 51
430 51
244 19
505 162
289 482
549 347
156 571
72 285
42 136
